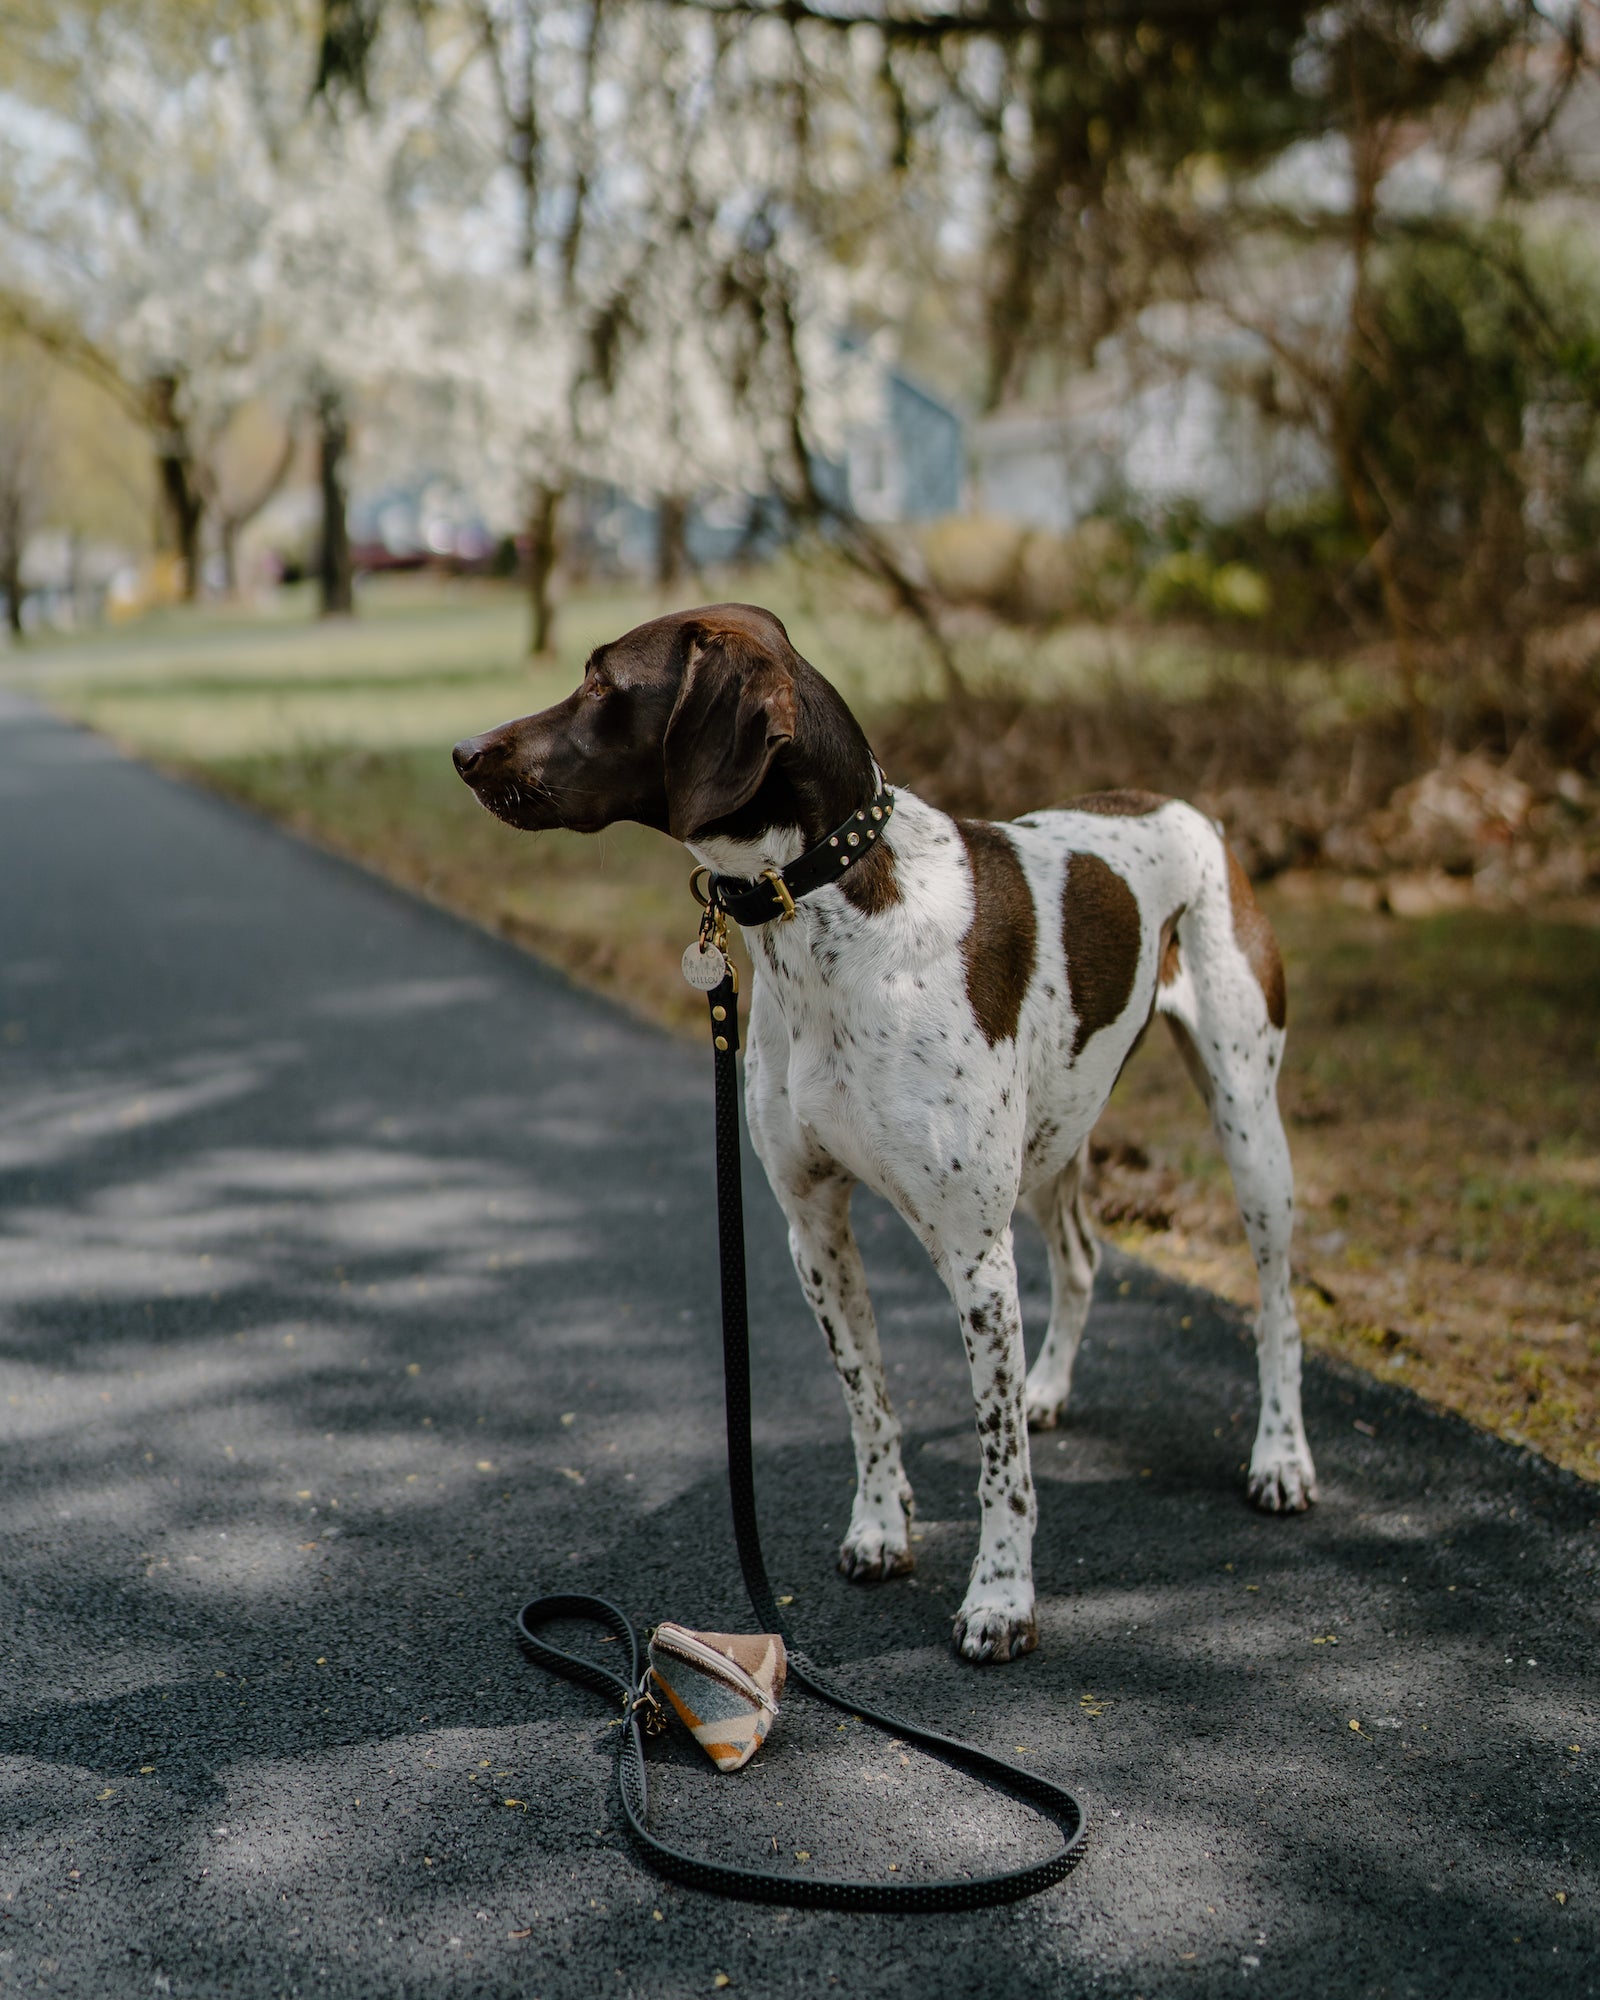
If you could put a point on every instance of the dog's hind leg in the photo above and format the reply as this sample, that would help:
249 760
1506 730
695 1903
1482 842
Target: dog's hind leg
828 1261
1061 1211
1224 1001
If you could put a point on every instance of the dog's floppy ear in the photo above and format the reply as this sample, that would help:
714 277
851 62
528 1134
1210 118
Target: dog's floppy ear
734 712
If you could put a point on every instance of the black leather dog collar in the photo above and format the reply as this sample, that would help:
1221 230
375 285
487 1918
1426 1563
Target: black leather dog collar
775 895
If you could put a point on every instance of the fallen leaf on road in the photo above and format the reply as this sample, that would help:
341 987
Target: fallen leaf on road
572 1473
802 1854
519 1934
722 1979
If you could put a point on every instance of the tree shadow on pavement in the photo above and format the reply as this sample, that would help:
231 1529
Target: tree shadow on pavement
358 1281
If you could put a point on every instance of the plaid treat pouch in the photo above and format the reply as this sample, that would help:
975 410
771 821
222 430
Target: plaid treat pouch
724 1685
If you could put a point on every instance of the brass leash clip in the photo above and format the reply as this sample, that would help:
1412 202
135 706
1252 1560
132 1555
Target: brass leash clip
706 963
642 1703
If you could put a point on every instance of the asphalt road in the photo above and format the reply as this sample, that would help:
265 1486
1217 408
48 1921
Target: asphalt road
356 1282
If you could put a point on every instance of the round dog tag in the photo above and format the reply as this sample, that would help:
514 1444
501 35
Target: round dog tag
704 967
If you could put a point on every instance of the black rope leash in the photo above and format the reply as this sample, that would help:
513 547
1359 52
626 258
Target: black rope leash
967 1892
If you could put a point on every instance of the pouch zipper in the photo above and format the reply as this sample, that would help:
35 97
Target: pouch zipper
683 1645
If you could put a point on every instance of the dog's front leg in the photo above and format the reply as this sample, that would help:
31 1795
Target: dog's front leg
813 1189
996 1620
834 1281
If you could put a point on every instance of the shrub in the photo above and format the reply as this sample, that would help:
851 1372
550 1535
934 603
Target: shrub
1029 575
1179 585
1238 591
972 558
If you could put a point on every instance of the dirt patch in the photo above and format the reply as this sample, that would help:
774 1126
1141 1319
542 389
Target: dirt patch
1486 802
1442 1098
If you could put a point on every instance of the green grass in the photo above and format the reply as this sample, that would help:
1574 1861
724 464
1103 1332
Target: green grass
426 662
423 664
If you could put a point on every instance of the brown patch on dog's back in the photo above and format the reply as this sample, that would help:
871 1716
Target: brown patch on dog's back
1002 940
1125 804
872 885
1100 927
1254 937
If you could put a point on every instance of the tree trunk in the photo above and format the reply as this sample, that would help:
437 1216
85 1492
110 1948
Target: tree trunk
335 581
232 521
181 498
672 547
1370 157
543 520
11 566
228 546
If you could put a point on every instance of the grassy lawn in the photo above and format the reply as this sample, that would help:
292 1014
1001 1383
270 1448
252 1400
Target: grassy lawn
1443 1077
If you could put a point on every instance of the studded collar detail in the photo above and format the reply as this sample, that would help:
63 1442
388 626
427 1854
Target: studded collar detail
751 904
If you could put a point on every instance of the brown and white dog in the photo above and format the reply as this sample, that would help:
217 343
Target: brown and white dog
945 1023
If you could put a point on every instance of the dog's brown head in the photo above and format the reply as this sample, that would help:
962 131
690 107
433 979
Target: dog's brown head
704 721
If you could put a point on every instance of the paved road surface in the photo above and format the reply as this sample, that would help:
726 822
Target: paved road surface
356 1281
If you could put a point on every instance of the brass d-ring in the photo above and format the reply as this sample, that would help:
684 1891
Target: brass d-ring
700 895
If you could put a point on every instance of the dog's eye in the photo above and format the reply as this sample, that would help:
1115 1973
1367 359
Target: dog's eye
595 690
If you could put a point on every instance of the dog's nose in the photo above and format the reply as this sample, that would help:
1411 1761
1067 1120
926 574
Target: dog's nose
469 757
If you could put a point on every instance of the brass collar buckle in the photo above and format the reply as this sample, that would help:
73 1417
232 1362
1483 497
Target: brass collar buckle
780 889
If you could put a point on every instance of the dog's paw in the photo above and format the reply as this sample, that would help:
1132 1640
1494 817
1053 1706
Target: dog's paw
1043 1406
989 1633
1283 1485
871 1555
878 1545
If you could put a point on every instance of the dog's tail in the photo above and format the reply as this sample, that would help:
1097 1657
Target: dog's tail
1220 986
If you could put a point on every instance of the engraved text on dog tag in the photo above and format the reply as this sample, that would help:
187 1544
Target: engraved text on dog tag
704 966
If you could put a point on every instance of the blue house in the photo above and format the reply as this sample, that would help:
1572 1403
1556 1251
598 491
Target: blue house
904 461
908 463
